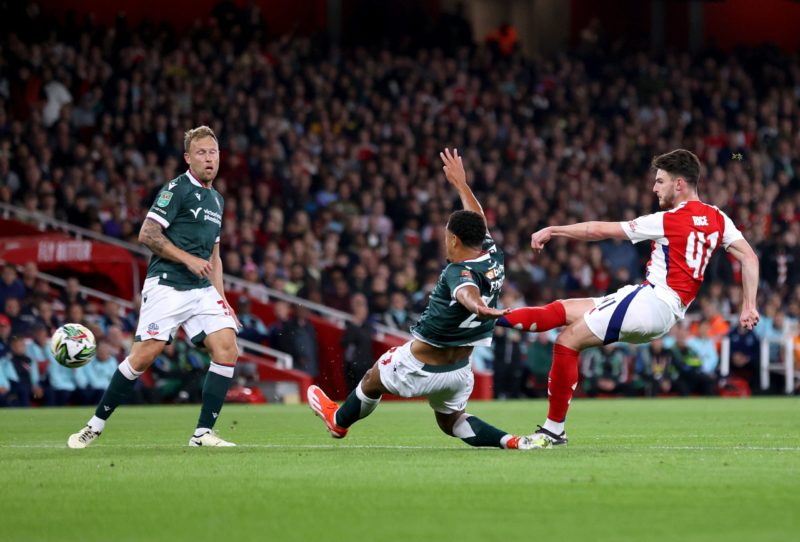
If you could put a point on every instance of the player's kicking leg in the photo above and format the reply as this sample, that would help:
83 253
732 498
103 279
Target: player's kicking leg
224 352
556 314
361 402
119 390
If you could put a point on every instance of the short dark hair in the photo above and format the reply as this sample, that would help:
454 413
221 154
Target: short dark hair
467 226
680 163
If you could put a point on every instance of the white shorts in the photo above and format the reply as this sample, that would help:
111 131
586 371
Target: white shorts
632 314
201 312
447 387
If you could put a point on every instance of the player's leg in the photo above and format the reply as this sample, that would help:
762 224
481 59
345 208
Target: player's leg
550 316
119 390
361 402
449 407
224 352
210 323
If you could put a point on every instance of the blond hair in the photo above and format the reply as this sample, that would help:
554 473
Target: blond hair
197 133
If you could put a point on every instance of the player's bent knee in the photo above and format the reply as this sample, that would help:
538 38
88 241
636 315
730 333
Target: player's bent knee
144 353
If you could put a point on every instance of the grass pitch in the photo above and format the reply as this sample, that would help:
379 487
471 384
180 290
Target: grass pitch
689 470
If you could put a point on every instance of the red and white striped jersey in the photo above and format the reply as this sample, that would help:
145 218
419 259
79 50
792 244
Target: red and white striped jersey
684 239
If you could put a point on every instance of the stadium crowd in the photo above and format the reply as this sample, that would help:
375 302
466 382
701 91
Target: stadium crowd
333 185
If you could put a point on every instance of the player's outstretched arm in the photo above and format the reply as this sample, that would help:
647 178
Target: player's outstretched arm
583 231
470 298
742 251
454 171
152 236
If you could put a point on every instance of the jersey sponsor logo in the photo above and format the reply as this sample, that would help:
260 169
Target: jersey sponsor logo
195 212
152 329
172 184
700 220
164 198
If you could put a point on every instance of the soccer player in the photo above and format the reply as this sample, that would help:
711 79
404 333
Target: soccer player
461 314
684 237
183 288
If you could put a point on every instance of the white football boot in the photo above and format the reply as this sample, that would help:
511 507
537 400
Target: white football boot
209 439
83 438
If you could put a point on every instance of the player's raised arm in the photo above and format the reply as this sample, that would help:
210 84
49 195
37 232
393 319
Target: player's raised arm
454 171
583 231
470 298
742 251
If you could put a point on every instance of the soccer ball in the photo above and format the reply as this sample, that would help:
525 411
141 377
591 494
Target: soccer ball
73 345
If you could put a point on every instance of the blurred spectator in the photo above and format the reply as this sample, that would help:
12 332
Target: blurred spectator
71 294
357 343
605 370
691 377
253 328
5 335
396 315
503 38
656 368
58 382
178 373
538 362
296 336
99 372
114 315
745 355
507 366
25 375
10 284
704 346
22 320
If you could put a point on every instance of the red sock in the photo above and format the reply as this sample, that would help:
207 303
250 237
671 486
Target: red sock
535 318
562 381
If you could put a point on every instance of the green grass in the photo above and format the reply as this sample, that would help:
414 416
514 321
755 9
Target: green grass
635 470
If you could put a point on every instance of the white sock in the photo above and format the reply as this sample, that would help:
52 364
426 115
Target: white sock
97 424
462 428
504 441
128 371
222 370
554 427
368 404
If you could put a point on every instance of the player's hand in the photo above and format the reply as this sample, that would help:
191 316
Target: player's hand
198 266
539 239
453 167
485 312
749 318
38 392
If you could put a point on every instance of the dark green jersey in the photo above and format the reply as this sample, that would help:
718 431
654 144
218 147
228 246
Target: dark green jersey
445 321
191 216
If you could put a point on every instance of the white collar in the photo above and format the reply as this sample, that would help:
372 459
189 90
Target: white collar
192 179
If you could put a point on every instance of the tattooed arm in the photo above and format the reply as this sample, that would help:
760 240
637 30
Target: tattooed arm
152 236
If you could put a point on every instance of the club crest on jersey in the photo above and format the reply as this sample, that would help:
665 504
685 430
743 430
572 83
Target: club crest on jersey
632 225
700 220
152 329
164 198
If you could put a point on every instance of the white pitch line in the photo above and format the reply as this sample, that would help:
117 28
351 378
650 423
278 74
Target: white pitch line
402 447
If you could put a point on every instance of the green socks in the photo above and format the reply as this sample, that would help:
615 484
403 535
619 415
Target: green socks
477 432
215 388
356 406
118 390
